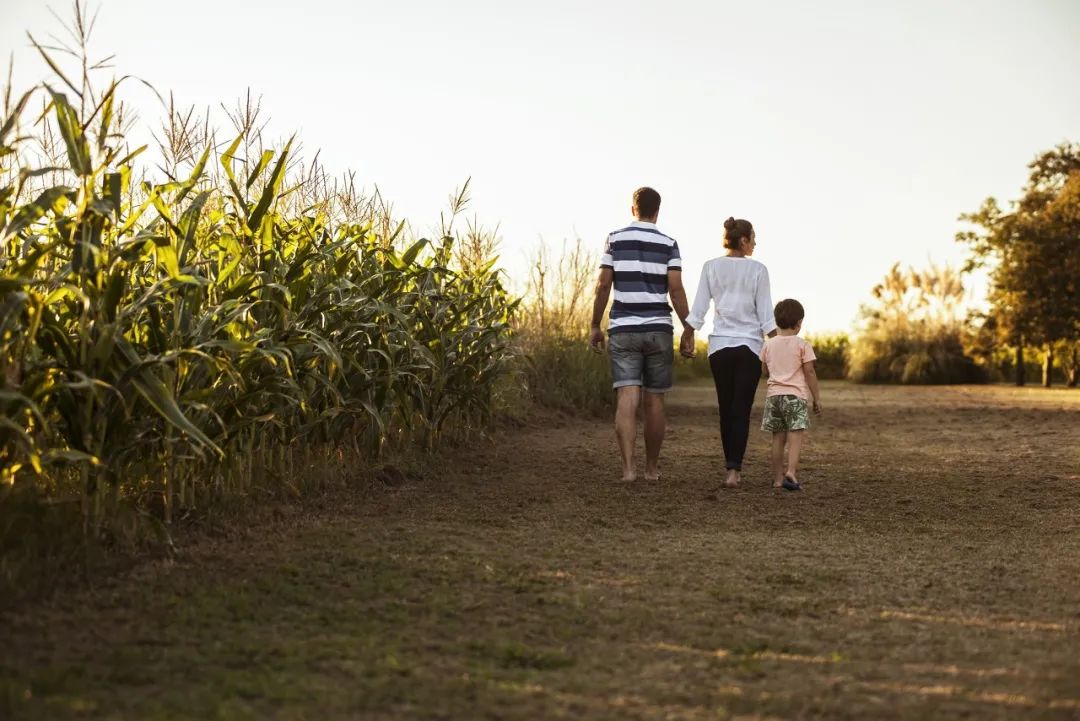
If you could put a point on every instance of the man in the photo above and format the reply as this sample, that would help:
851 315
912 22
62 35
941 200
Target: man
645 267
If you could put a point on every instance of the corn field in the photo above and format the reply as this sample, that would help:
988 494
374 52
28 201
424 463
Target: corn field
166 343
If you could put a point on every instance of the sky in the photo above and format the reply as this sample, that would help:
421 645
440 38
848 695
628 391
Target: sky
851 134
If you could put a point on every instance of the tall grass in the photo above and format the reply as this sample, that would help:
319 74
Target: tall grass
229 327
561 370
695 369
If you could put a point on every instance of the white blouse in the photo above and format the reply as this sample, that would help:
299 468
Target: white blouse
742 303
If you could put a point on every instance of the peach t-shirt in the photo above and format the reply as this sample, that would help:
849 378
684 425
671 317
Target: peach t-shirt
784 356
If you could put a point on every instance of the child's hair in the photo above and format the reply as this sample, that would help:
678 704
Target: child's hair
788 313
734 230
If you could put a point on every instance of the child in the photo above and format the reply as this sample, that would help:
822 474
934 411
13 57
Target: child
793 383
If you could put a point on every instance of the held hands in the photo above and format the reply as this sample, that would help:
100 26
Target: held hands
686 343
596 339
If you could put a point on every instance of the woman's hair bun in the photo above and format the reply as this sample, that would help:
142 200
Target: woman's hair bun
735 230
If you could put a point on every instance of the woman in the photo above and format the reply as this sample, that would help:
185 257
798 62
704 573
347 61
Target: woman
738 287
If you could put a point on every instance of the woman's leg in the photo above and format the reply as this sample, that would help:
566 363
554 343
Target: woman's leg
746 375
723 378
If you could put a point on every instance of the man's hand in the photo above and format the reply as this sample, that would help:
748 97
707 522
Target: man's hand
596 339
686 343
603 291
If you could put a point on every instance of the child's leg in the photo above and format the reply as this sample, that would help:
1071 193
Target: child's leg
795 439
778 440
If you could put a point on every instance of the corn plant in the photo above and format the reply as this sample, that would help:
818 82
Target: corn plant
168 343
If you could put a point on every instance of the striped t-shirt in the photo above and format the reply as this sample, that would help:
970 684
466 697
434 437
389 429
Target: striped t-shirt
641 256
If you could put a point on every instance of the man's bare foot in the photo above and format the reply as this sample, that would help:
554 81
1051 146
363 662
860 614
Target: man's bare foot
778 482
652 475
733 478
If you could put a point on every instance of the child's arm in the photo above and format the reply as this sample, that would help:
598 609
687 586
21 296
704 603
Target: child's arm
812 384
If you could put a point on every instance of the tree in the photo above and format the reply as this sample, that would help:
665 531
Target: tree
1033 252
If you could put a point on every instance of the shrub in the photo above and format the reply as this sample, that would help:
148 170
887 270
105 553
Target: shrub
913 355
912 331
832 355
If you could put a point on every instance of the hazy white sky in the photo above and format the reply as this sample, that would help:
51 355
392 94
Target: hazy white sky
852 134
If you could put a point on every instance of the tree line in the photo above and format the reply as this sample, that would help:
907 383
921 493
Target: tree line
1032 250
914 328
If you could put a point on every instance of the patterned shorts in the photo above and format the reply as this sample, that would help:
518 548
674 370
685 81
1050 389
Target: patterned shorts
785 413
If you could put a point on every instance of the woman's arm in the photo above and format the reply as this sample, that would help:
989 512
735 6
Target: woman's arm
701 300
763 304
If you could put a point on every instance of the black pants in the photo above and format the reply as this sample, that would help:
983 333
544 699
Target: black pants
736 372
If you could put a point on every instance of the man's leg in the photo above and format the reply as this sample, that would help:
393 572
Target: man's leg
627 400
627 364
778 441
794 447
655 427
659 350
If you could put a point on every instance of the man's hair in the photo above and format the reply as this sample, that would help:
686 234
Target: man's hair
647 202
788 313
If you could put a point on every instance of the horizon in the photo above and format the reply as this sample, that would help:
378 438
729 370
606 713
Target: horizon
851 137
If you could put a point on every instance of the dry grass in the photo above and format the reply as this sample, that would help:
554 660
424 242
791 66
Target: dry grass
930 570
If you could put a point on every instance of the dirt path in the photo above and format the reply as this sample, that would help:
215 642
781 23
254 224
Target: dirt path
930 570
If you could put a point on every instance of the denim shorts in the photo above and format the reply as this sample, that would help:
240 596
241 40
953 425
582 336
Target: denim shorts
642 359
785 413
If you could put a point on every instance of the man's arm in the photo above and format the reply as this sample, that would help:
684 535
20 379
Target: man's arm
682 310
678 298
603 293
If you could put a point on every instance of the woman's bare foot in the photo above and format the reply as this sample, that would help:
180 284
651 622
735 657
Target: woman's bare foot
629 474
733 478
778 482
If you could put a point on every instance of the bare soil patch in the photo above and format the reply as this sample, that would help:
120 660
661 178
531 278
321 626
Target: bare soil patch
931 569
